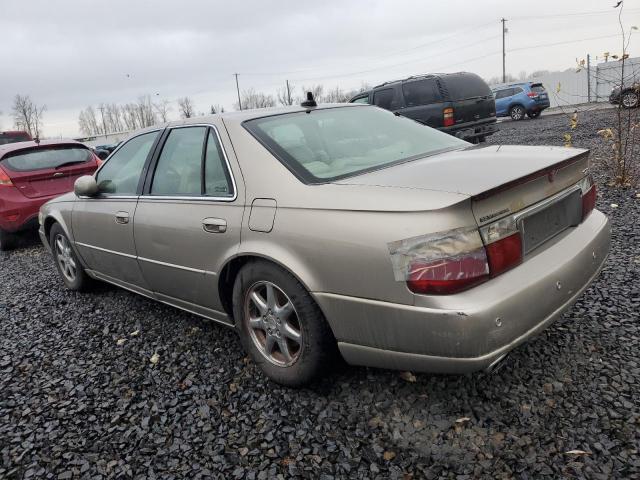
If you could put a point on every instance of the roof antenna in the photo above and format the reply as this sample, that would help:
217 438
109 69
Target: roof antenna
310 101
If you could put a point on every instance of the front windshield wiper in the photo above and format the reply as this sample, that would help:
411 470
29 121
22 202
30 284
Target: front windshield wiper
66 164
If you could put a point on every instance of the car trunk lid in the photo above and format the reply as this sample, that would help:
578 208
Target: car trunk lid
501 180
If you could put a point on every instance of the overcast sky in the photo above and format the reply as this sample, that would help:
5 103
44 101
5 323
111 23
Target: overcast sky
69 54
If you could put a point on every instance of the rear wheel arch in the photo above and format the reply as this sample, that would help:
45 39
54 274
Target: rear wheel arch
230 270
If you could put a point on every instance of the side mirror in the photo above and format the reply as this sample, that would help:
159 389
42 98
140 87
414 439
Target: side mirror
85 186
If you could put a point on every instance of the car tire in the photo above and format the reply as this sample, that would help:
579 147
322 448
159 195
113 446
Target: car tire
280 325
534 114
517 112
629 99
69 267
7 241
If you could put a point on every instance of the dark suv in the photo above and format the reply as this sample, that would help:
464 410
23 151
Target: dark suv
460 104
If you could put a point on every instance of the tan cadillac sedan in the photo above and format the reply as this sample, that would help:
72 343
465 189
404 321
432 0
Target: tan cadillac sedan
313 230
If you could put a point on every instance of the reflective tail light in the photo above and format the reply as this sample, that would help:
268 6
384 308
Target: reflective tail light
99 161
532 95
503 243
589 192
447 116
5 181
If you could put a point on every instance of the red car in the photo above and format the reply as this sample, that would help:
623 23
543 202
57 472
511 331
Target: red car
31 174
14 136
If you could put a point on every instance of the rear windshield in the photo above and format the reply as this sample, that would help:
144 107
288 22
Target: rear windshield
465 86
6 138
46 157
334 143
538 88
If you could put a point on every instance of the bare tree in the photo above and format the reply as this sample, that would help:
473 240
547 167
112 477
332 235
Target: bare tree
216 109
162 109
113 117
129 116
252 99
144 112
316 90
285 95
336 95
186 108
87 122
27 115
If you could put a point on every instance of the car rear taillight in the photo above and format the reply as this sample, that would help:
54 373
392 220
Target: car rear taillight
441 263
588 196
503 243
447 117
99 161
5 181
532 95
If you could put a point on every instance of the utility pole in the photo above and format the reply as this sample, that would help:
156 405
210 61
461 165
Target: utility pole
504 54
104 127
288 93
588 78
238 90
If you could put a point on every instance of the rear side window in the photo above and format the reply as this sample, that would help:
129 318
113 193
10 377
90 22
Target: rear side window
517 90
538 88
179 169
386 99
420 92
465 86
46 158
13 137
507 92
217 181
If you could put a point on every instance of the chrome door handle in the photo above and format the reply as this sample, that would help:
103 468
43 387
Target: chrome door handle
58 174
214 225
122 217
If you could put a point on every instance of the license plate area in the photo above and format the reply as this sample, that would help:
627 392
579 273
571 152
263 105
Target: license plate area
544 222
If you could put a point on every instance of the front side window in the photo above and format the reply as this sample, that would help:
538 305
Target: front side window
507 92
333 143
45 158
121 173
179 168
361 100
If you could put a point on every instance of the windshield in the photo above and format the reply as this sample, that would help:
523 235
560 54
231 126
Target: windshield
45 158
335 143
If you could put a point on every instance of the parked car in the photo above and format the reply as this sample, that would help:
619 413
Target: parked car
341 227
626 96
460 104
32 173
14 136
520 99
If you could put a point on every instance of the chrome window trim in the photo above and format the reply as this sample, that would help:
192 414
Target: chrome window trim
192 198
95 174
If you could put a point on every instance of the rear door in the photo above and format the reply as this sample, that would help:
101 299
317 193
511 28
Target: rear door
503 97
46 171
542 95
423 101
471 96
188 220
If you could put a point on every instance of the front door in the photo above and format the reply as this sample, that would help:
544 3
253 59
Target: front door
188 219
103 225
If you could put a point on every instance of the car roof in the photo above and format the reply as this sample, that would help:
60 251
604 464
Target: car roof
13 147
244 115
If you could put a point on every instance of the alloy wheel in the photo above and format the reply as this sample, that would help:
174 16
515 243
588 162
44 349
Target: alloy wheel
517 113
630 99
273 323
65 259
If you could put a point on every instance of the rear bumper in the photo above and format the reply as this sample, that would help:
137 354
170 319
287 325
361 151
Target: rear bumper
18 212
473 131
471 330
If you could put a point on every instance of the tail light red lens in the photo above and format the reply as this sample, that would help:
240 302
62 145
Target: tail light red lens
447 116
532 94
99 161
588 201
448 275
504 254
5 181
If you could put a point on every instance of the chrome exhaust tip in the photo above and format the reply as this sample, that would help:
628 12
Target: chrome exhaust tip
496 365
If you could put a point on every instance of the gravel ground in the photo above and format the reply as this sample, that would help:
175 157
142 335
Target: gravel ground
80 396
